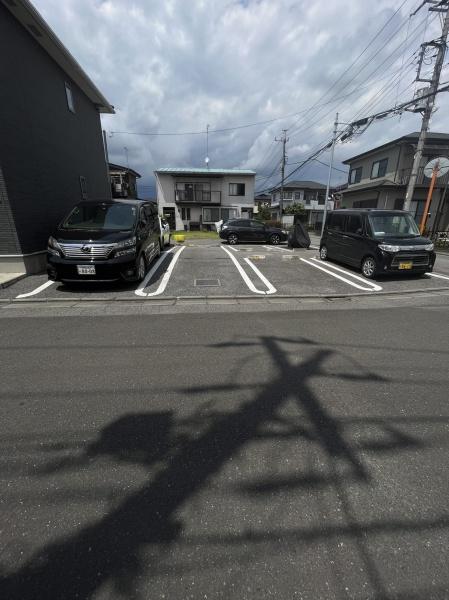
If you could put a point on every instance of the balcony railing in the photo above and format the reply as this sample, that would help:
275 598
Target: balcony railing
198 196
404 177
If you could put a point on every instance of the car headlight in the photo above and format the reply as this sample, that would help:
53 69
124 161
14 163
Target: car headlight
53 247
125 252
429 247
284 232
224 226
126 243
389 248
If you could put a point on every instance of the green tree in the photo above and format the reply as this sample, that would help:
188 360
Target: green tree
264 213
296 209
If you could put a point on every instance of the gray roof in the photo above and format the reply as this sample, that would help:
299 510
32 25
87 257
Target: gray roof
41 32
115 167
360 187
302 185
410 137
203 171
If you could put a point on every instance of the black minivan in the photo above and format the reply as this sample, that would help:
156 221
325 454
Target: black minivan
376 241
105 241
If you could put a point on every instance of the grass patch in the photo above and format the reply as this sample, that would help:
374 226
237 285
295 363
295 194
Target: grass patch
198 235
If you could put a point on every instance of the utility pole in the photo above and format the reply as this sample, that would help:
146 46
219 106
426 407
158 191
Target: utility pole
442 7
331 164
284 139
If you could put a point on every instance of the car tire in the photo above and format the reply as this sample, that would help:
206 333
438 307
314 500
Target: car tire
141 268
369 267
275 239
233 239
323 253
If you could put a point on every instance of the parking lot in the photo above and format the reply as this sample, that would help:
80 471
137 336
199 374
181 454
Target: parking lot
212 269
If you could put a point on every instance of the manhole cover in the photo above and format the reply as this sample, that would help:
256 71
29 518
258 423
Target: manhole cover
207 283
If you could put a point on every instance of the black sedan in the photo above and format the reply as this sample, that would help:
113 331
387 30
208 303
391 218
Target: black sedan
246 230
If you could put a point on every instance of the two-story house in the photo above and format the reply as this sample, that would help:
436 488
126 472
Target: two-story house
191 198
378 178
51 144
123 181
310 194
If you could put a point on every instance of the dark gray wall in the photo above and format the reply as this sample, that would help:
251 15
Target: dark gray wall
44 147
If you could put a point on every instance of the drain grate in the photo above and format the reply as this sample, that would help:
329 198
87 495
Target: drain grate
207 283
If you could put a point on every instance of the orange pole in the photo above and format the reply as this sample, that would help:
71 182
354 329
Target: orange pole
429 198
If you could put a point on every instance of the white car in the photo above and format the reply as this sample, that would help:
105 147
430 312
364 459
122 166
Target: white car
165 232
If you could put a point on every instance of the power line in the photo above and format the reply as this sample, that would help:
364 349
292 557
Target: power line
360 55
295 133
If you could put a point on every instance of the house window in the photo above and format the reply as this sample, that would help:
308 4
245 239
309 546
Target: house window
288 195
297 195
211 215
83 187
69 96
309 197
365 203
379 168
398 204
192 192
185 213
229 213
355 175
236 189
321 198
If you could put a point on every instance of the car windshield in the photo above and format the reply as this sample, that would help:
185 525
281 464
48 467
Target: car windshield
117 217
393 225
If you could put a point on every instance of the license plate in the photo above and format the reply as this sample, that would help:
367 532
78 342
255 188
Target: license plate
405 265
85 270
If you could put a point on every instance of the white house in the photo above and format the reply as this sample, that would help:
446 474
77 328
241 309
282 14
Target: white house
191 198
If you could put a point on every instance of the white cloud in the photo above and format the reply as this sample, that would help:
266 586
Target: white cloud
177 65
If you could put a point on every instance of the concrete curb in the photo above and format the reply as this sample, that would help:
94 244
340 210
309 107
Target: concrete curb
13 280
193 299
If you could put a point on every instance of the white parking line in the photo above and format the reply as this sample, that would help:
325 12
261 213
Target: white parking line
372 287
234 249
279 249
437 275
271 288
245 277
140 290
38 290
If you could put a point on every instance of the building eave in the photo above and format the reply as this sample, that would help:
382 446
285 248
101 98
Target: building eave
409 138
41 32
197 172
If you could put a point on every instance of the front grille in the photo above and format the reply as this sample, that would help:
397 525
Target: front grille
86 251
418 259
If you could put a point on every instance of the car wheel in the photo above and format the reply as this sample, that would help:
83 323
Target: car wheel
141 268
369 267
275 239
323 252
233 239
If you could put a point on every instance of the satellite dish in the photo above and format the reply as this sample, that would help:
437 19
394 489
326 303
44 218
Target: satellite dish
442 168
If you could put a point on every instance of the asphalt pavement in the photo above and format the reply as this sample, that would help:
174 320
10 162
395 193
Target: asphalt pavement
239 455
217 270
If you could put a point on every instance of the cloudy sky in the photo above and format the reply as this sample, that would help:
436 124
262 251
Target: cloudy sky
174 66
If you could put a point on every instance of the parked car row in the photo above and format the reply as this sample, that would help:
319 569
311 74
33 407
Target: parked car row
118 239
